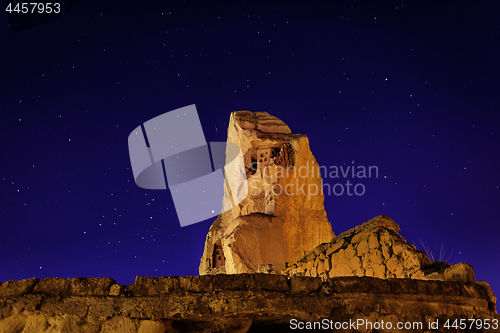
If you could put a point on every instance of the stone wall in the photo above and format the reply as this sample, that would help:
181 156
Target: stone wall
234 303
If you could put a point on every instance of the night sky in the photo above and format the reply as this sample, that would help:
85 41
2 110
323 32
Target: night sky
409 87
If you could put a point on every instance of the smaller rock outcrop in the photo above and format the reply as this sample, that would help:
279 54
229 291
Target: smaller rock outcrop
375 249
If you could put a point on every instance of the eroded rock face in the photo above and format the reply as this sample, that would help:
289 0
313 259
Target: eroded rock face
282 217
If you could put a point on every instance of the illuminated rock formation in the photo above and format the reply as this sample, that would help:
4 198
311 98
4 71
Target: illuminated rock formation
282 217
375 249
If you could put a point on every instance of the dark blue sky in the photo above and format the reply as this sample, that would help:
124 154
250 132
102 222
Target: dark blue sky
411 87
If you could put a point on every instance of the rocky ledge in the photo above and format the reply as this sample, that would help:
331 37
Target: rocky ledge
239 303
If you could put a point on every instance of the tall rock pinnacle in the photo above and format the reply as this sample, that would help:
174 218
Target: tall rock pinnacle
282 216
